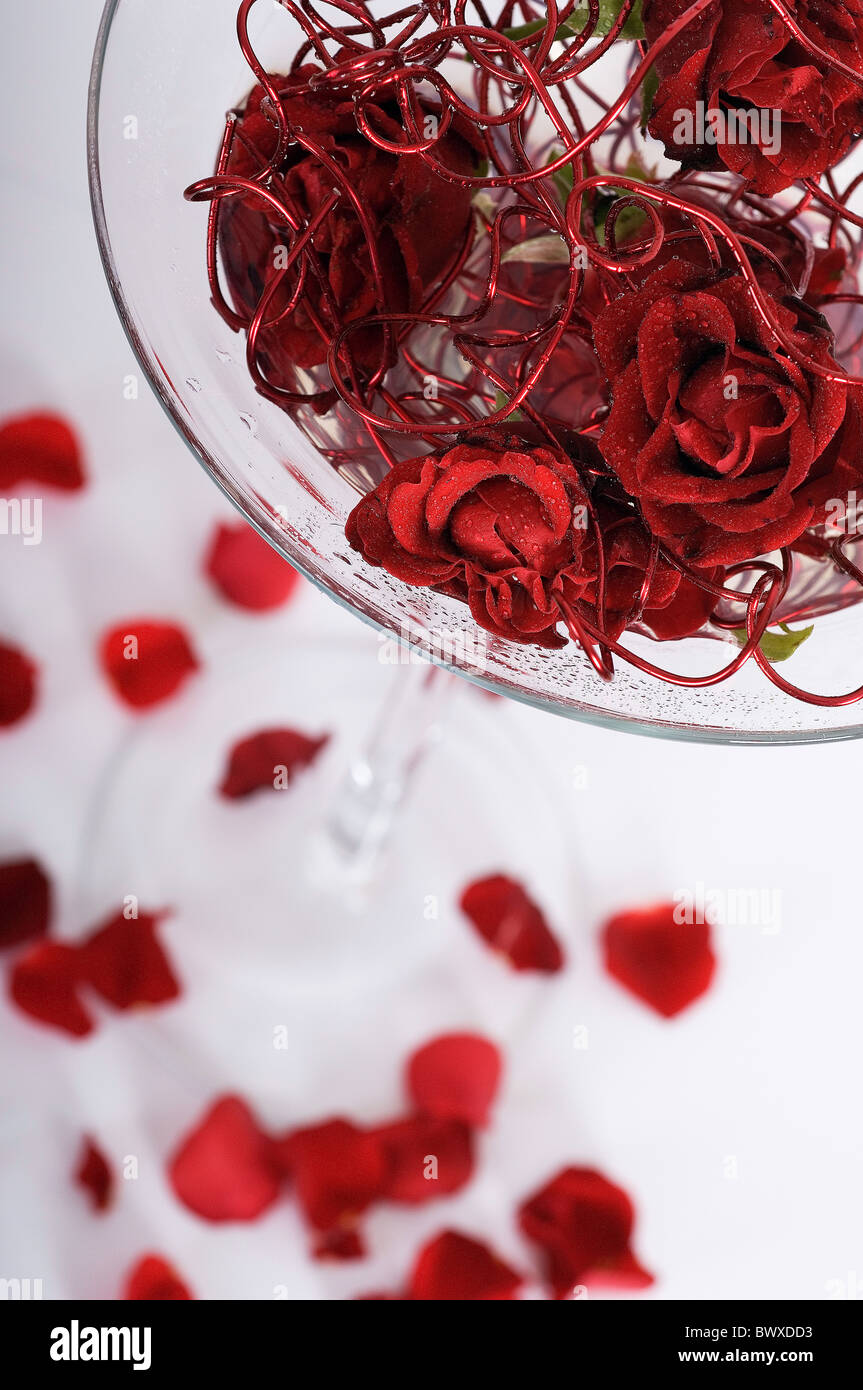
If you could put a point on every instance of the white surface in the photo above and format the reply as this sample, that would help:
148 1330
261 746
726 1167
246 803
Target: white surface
765 1069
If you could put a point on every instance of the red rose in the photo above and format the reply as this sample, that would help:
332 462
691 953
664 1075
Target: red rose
738 57
508 530
730 449
418 220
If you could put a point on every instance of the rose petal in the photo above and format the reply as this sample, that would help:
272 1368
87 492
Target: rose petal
39 448
425 1158
338 1171
511 922
457 1267
666 963
248 571
25 901
145 661
153 1280
225 1169
94 1175
582 1224
17 684
270 759
124 962
45 982
455 1077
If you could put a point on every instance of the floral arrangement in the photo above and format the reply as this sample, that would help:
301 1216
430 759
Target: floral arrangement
575 288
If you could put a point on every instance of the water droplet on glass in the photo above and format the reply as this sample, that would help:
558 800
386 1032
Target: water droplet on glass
249 421
193 383
223 356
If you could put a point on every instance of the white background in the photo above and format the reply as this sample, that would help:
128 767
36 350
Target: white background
764 1070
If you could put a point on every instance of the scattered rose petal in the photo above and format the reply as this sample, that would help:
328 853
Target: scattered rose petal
512 923
145 661
225 1170
17 685
338 1171
44 983
153 1280
343 1243
247 570
425 1157
455 1077
456 1267
25 901
666 963
94 1175
124 962
271 758
42 449
582 1224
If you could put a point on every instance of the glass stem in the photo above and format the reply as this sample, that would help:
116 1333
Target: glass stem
380 777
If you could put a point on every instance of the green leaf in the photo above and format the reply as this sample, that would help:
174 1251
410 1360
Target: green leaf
649 88
547 249
571 28
564 177
500 400
778 646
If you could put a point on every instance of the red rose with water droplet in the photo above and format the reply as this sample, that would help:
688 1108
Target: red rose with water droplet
17 684
730 448
39 448
153 1279
455 1077
667 963
93 1174
226 1169
124 962
457 1267
45 983
247 571
425 1158
146 662
582 1224
512 923
269 759
739 57
418 219
509 529
25 901
337 1170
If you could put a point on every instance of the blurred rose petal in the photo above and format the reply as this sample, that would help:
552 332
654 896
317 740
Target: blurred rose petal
456 1267
39 448
247 570
455 1077
17 684
145 661
25 901
94 1175
270 759
123 961
224 1170
45 982
512 923
153 1280
583 1224
667 963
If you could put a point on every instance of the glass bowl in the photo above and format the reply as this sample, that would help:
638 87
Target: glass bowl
164 73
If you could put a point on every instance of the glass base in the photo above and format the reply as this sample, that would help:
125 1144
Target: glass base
274 940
